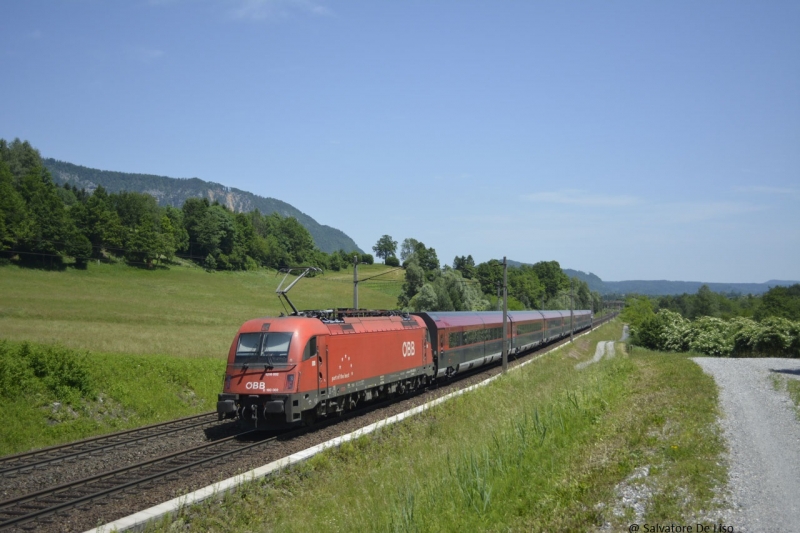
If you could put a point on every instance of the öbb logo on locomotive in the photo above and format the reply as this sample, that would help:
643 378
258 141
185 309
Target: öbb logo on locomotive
409 349
291 369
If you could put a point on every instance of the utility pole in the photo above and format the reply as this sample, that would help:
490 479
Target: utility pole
355 282
571 306
505 316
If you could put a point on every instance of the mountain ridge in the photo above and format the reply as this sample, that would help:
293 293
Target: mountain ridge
175 191
664 287
669 287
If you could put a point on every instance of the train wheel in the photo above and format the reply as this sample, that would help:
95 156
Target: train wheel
309 417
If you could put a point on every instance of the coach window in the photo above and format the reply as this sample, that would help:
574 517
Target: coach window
311 349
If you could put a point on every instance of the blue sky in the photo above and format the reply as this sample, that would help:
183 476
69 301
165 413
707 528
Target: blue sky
636 140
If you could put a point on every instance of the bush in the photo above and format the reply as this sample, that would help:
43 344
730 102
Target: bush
392 261
740 337
335 262
368 259
44 370
676 331
710 336
774 337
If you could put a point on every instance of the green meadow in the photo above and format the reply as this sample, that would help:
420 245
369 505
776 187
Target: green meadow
181 311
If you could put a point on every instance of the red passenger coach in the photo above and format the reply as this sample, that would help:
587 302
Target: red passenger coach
296 368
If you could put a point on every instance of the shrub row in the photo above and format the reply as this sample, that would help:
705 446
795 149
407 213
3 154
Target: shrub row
738 337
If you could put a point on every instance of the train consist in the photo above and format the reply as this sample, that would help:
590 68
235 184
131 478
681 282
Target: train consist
311 364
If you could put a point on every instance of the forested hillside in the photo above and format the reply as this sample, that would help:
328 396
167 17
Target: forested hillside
175 191
42 224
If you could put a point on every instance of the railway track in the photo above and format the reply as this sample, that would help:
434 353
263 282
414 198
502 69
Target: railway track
35 506
13 464
34 509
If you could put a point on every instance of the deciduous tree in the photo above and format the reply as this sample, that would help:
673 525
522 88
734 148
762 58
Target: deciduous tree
385 247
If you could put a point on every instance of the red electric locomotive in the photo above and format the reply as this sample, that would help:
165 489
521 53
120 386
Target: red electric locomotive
296 368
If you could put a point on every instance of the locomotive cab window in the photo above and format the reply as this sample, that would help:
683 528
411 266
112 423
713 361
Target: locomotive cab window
263 348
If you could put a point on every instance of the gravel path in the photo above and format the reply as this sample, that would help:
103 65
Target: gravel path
763 434
604 348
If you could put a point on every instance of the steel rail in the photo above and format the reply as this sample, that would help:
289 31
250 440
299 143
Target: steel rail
102 443
27 501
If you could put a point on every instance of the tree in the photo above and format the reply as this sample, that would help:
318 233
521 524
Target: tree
705 303
426 300
552 277
415 278
180 236
166 239
79 247
143 245
490 276
49 224
465 265
782 302
407 248
426 258
98 222
335 262
296 240
524 285
20 157
385 247
13 213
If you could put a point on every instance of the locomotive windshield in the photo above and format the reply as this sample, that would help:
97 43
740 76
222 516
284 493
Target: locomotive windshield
263 348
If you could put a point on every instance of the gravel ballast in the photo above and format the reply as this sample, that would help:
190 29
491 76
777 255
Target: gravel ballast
763 433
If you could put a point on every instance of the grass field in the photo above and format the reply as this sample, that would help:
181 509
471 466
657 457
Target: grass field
791 387
181 311
51 394
546 448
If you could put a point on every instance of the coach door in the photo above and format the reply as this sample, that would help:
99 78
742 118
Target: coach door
425 338
322 367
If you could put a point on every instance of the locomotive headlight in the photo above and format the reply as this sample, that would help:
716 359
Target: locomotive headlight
290 382
228 378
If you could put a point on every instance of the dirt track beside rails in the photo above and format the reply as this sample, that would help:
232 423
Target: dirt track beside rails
763 432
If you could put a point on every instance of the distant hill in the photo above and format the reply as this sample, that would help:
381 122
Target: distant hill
665 287
175 191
